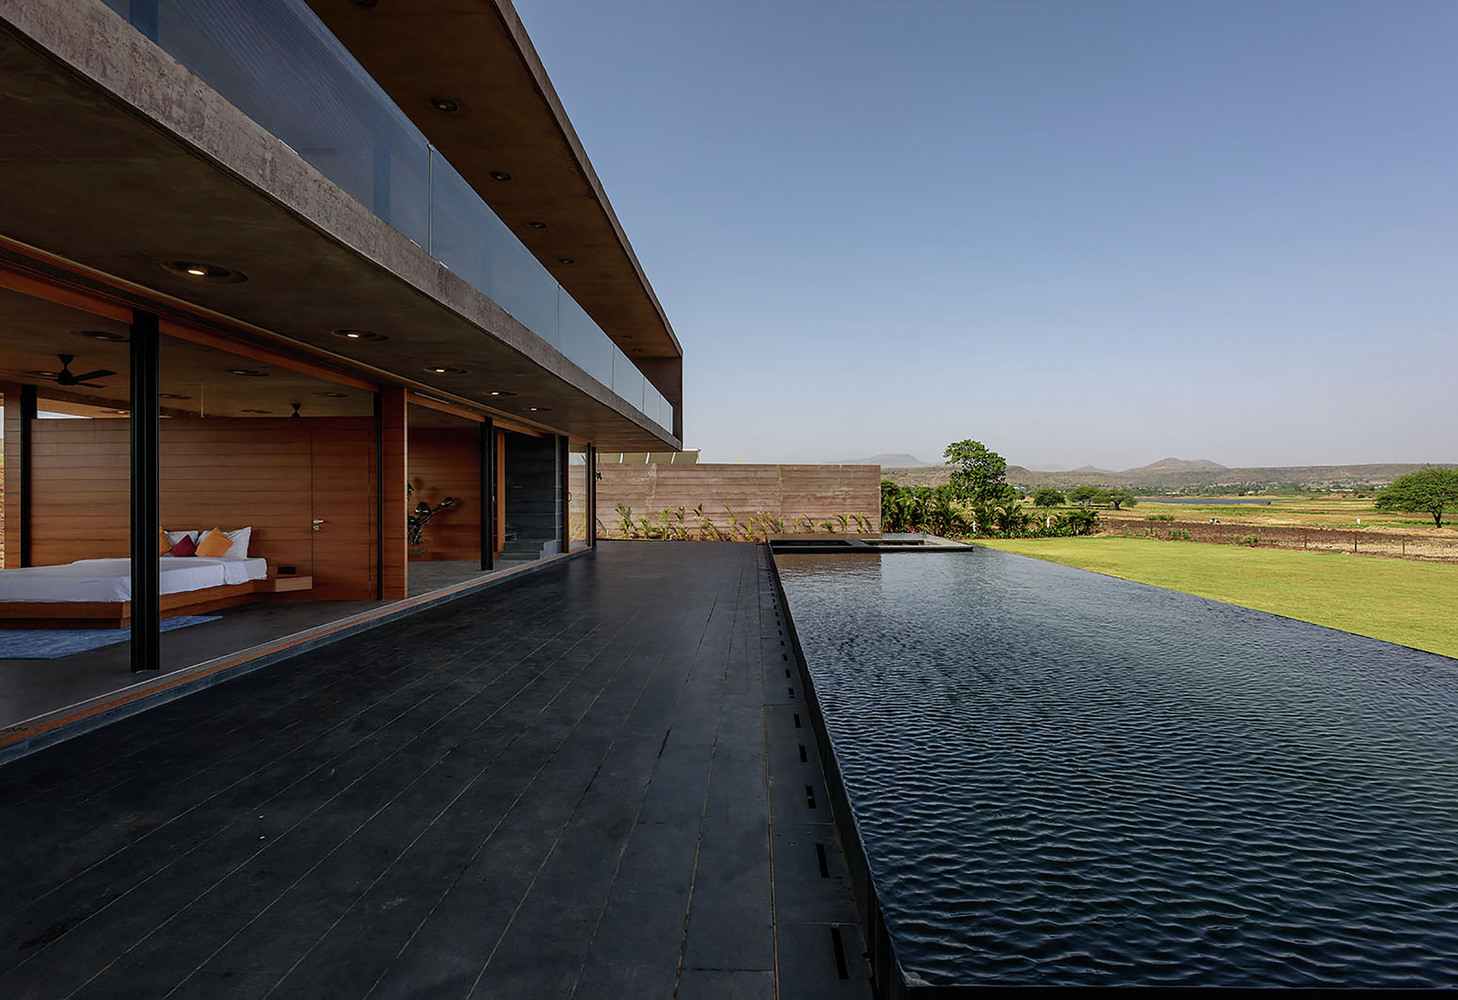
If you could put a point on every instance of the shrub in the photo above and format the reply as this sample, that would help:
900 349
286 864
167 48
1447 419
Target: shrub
1074 522
1159 517
1179 533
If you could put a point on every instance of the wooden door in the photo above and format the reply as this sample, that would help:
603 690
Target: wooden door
344 510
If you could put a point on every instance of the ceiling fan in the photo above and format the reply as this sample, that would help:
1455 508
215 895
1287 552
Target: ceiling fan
66 378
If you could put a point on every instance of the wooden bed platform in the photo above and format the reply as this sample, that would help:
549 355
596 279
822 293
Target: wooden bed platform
118 614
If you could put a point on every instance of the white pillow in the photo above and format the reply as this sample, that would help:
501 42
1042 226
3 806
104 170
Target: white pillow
176 536
239 539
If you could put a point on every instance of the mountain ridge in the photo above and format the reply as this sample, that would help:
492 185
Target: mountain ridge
892 460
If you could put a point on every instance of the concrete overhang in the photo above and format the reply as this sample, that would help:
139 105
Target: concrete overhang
508 120
115 158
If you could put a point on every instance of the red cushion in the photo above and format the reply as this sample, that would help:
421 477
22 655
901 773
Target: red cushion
185 546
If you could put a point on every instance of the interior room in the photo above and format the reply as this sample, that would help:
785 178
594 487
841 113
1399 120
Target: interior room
270 502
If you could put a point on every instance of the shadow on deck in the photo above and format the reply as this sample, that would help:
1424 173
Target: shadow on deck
596 781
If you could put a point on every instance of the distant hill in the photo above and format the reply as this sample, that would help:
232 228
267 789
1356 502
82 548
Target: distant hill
1177 465
900 460
1186 477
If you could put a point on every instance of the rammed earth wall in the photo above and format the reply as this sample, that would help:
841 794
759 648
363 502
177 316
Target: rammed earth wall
819 492
1377 543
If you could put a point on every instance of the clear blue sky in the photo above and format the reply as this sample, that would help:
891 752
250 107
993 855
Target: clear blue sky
1078 230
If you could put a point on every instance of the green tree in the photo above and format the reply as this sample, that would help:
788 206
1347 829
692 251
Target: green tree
979 473
943 516
897 507
1009 519
1047 496
1083 494
1116 497
1427 491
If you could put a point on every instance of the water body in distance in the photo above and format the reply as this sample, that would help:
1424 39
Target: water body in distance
1207 501
1066 779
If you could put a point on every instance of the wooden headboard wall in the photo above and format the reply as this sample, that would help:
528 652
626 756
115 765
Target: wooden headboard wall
218 472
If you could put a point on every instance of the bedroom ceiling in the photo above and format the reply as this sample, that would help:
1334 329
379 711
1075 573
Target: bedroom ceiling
196 380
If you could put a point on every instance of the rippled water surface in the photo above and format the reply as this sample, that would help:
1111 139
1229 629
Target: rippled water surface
1063 778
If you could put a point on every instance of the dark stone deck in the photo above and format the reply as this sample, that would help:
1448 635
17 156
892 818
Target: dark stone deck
586 783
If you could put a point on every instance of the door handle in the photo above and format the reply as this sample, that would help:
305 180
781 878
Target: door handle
318 521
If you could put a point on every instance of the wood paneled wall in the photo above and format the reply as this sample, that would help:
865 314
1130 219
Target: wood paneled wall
344 565
785 491
393 470
231 472
274 474
446 461
80 478
10 536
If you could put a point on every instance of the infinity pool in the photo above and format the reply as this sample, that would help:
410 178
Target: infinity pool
1065 779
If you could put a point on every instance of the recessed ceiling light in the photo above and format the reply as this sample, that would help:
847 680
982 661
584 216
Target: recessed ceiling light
501 392
201 271
257 411
171 395
121 413
566 260
333 395
445 370
118 338
538 409
248 372
499 175
444 104
350 334
537 225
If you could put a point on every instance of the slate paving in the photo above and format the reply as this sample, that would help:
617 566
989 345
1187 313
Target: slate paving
593 782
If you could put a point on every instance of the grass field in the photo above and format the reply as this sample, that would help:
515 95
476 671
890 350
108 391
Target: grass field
1335 511
1411 603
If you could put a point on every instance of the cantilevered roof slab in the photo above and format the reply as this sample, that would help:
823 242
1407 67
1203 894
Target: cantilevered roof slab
114 160
507 119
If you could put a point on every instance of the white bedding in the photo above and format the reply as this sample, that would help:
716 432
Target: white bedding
111 579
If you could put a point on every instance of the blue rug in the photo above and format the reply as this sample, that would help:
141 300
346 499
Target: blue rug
53 643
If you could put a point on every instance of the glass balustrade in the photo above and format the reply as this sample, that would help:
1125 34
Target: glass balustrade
277 63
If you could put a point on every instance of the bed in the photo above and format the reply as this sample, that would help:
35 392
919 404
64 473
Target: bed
97 592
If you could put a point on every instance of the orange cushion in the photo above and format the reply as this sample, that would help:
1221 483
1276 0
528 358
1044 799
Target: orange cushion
213 544
163 545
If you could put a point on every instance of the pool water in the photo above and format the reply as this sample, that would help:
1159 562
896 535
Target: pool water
1066 779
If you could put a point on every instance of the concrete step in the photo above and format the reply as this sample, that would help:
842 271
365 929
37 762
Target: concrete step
529 548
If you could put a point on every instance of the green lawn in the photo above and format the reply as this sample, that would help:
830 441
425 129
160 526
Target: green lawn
1411 603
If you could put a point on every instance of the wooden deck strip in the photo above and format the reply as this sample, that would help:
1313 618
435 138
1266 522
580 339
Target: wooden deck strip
565 786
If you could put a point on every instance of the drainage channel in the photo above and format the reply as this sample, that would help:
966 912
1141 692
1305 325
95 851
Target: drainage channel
841 847
819 947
